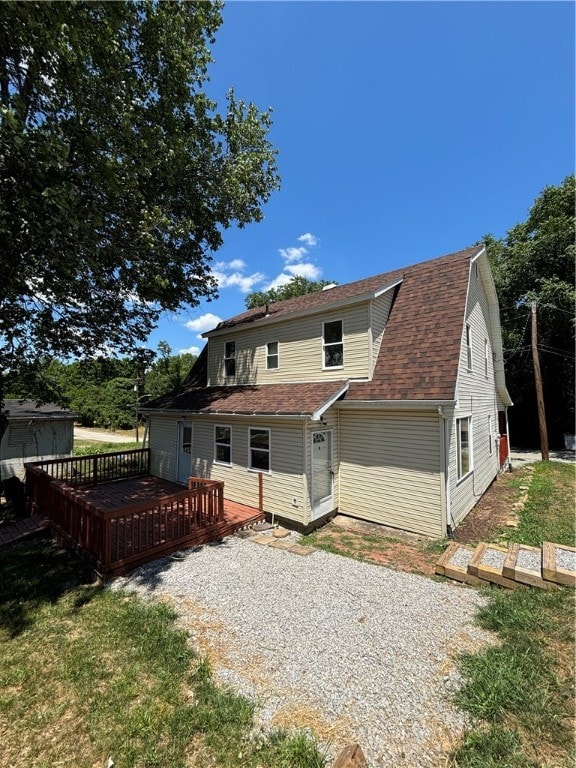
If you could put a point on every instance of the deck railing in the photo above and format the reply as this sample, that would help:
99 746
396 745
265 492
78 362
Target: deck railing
99 468
117 539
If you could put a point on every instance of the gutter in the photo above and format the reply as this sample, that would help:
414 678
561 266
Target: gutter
186 414
404 405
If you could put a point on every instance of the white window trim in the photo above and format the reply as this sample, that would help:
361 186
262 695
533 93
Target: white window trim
277 355
461 478
331 344
256 469
216 443
486 357
490 436
468 347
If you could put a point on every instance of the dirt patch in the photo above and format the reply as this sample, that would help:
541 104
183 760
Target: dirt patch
417 554
488 518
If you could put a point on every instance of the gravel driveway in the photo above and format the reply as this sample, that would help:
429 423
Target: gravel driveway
357 651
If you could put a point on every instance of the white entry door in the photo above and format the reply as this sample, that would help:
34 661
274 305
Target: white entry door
184 451
322 501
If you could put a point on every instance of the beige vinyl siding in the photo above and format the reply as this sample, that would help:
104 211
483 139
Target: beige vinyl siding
300 350
33 440
380 310
283 486
477 397
164 447
390 469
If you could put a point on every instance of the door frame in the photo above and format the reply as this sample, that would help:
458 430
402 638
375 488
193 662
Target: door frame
179 453
326 504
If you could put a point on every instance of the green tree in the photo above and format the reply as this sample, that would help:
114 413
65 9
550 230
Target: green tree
118 173
167 372
535 262
298 286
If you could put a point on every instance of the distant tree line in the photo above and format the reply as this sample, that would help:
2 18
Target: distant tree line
104 391
535 262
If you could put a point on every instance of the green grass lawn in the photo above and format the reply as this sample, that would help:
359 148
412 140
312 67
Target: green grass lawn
520 693
87 674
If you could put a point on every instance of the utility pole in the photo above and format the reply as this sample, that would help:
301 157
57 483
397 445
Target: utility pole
539 392
137 391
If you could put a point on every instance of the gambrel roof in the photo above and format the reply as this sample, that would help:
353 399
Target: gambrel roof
418 358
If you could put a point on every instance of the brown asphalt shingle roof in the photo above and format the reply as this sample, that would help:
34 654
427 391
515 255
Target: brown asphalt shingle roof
418 357
269 400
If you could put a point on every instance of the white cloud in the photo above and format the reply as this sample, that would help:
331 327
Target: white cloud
278 282
292 254
235 264
238 280
203 323
308 239
190 351
304 269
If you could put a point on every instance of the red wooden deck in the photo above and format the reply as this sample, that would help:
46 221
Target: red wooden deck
125 521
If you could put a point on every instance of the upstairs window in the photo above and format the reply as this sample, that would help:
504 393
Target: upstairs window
272 358
222 445
259 449
468 347
486 356
464 452
333 345
230 359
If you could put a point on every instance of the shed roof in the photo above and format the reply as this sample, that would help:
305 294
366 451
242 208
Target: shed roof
27 409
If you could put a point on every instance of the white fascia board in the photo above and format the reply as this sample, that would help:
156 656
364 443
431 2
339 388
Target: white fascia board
318 413
330 307
495 327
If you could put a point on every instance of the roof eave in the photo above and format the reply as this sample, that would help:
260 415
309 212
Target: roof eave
272 319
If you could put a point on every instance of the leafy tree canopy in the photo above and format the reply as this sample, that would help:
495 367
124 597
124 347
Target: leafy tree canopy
298 286
118 174
535 261
102 391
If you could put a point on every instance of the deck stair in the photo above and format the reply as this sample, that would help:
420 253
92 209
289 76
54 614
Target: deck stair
517 565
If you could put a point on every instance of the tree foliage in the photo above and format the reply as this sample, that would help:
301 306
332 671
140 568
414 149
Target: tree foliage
118 173
102 391
298 286
535 262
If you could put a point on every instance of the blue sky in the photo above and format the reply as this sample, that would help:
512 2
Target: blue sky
405 130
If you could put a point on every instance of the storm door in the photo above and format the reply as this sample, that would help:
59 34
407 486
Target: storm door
184 451
322 475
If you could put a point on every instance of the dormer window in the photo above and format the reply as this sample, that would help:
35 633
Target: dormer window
333 345
230 359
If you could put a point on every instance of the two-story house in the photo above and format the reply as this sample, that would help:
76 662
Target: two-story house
383 399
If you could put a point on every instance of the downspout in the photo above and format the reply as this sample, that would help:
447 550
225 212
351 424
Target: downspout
510 467
446 452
